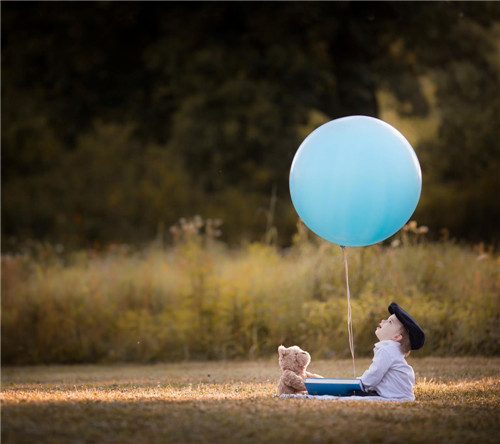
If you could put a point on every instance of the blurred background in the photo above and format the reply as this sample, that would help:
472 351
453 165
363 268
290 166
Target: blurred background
146 148
118 118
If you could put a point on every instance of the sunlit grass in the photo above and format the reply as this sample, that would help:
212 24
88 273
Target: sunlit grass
198 300
457 400
484 391
134 393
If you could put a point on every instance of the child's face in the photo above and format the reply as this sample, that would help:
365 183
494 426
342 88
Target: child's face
389 329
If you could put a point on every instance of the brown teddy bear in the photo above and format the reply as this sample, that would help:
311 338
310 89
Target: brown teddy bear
293 362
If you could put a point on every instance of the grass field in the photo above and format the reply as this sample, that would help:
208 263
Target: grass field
195 302
458 401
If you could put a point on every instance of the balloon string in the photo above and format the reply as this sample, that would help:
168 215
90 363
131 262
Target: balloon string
349 312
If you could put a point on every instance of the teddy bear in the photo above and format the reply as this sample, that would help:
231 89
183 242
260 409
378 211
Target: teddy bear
293 362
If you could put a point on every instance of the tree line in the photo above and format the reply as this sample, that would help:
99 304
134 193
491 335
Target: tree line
118 118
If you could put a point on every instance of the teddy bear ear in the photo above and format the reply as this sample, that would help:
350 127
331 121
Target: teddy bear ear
281 350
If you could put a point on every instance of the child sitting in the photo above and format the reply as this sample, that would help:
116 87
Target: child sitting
389 375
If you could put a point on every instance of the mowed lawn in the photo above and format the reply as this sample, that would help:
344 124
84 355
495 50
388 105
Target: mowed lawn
458 401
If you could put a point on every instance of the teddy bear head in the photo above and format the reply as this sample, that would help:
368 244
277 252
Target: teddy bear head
293 358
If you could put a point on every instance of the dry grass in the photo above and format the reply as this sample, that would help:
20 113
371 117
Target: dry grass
195 302
458 400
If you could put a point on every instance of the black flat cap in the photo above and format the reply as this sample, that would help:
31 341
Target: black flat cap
417 335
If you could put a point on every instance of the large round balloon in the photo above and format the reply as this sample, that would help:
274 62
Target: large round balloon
355 181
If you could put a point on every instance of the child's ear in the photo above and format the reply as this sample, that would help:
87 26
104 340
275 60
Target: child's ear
398 337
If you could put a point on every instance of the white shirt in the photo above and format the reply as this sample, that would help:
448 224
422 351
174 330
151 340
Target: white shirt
389 374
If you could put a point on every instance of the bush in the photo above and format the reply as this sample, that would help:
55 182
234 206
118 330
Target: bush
199 300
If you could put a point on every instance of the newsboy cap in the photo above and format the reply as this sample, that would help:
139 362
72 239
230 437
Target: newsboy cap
417 335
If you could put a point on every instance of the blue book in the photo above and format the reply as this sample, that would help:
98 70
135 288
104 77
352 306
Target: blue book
332 386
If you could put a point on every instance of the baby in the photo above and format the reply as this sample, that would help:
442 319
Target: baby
389 375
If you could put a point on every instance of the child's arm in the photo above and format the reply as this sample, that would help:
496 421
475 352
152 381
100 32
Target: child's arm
380 364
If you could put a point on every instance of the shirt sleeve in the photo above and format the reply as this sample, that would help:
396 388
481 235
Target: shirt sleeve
380 364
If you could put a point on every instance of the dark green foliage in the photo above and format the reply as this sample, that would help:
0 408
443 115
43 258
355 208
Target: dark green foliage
120 117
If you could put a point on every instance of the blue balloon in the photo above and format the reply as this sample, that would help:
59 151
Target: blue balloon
355 181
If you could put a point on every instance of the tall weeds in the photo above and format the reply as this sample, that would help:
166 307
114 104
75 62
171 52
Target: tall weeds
199 300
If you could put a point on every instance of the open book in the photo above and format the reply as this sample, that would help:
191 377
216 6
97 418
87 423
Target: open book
332 386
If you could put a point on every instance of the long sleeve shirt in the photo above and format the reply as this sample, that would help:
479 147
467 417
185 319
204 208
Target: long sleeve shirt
389 374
